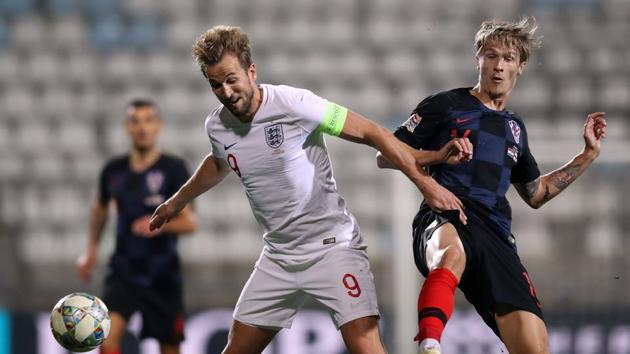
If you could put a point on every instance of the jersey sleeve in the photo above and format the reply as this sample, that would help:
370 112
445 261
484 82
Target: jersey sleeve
425 120
215 146
316 112
104 194
526 168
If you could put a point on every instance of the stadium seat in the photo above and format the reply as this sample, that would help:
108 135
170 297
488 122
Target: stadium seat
62 8
4 35
102 8
144 33
14 8
108 33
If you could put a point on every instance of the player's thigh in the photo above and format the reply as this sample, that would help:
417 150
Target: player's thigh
523 332
343 282
445 250
362 336
117 328
169 348
271 297
246 339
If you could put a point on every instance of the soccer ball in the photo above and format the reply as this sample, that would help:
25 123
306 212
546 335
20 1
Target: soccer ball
80 322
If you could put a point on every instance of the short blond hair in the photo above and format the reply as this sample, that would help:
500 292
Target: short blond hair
210 47
519 34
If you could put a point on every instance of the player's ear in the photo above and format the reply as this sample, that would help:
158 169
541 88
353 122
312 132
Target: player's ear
521 67
252 71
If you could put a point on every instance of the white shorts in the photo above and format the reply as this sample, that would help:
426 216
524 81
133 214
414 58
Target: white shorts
340 280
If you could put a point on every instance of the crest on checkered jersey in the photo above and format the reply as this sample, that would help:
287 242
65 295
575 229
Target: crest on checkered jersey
274 135
516 131
155 179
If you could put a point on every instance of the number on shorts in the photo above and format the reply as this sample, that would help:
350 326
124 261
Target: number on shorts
233 165
352 284
532 290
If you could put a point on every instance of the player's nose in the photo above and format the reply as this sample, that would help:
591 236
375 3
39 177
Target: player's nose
227 91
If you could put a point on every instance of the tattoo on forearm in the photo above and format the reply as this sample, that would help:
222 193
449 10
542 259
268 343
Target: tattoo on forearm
547 195
531 187
563 177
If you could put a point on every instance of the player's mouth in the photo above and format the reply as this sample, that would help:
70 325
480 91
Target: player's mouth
497 80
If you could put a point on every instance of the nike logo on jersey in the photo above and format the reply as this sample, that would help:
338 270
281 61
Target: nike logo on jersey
462 120
226 147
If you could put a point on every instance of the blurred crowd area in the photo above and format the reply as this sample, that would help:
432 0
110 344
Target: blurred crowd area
67 68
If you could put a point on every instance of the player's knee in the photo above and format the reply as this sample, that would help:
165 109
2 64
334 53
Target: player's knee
540 345
532 345
365 347
453 258
537 347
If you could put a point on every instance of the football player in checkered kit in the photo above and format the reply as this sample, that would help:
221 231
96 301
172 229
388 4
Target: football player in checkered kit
272 138
480 255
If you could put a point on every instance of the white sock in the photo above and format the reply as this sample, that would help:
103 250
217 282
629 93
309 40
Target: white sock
429 343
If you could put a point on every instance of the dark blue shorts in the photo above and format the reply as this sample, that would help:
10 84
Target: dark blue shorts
161 309
495 280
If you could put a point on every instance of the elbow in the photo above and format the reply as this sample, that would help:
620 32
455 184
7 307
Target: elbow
535 204
381 161
193 224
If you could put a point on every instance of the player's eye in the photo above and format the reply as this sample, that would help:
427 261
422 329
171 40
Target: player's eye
215 85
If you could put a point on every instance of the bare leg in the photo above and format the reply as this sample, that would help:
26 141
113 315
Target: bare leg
245 339
169 348
116 332
362 336
445 250
523 333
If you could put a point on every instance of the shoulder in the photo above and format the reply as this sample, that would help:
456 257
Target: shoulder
213 117
119 162
442 100
286 94
172 161
511 115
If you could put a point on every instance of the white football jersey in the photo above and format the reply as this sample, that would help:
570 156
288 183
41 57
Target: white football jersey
282 160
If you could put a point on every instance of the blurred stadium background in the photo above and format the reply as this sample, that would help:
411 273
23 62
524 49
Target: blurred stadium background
67 67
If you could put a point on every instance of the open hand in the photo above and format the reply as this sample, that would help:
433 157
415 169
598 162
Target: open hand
441 199
163 214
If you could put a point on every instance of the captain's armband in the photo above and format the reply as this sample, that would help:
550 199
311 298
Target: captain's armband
334 119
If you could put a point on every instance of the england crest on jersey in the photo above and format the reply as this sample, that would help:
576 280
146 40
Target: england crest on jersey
274 135
516 131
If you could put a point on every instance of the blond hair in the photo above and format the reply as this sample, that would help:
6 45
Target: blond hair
210 47
519 34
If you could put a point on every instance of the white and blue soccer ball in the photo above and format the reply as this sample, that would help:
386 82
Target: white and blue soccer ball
80 322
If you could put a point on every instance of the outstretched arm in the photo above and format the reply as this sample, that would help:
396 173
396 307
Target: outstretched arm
362 130
546 187
210 172
456 151
185 222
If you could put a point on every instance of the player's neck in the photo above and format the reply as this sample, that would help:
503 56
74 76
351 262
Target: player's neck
494 103
256 103
140 160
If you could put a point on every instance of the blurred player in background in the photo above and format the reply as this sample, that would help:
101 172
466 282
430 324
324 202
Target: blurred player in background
144 272
481 256
272 138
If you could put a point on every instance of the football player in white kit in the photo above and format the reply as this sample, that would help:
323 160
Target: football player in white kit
272 138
